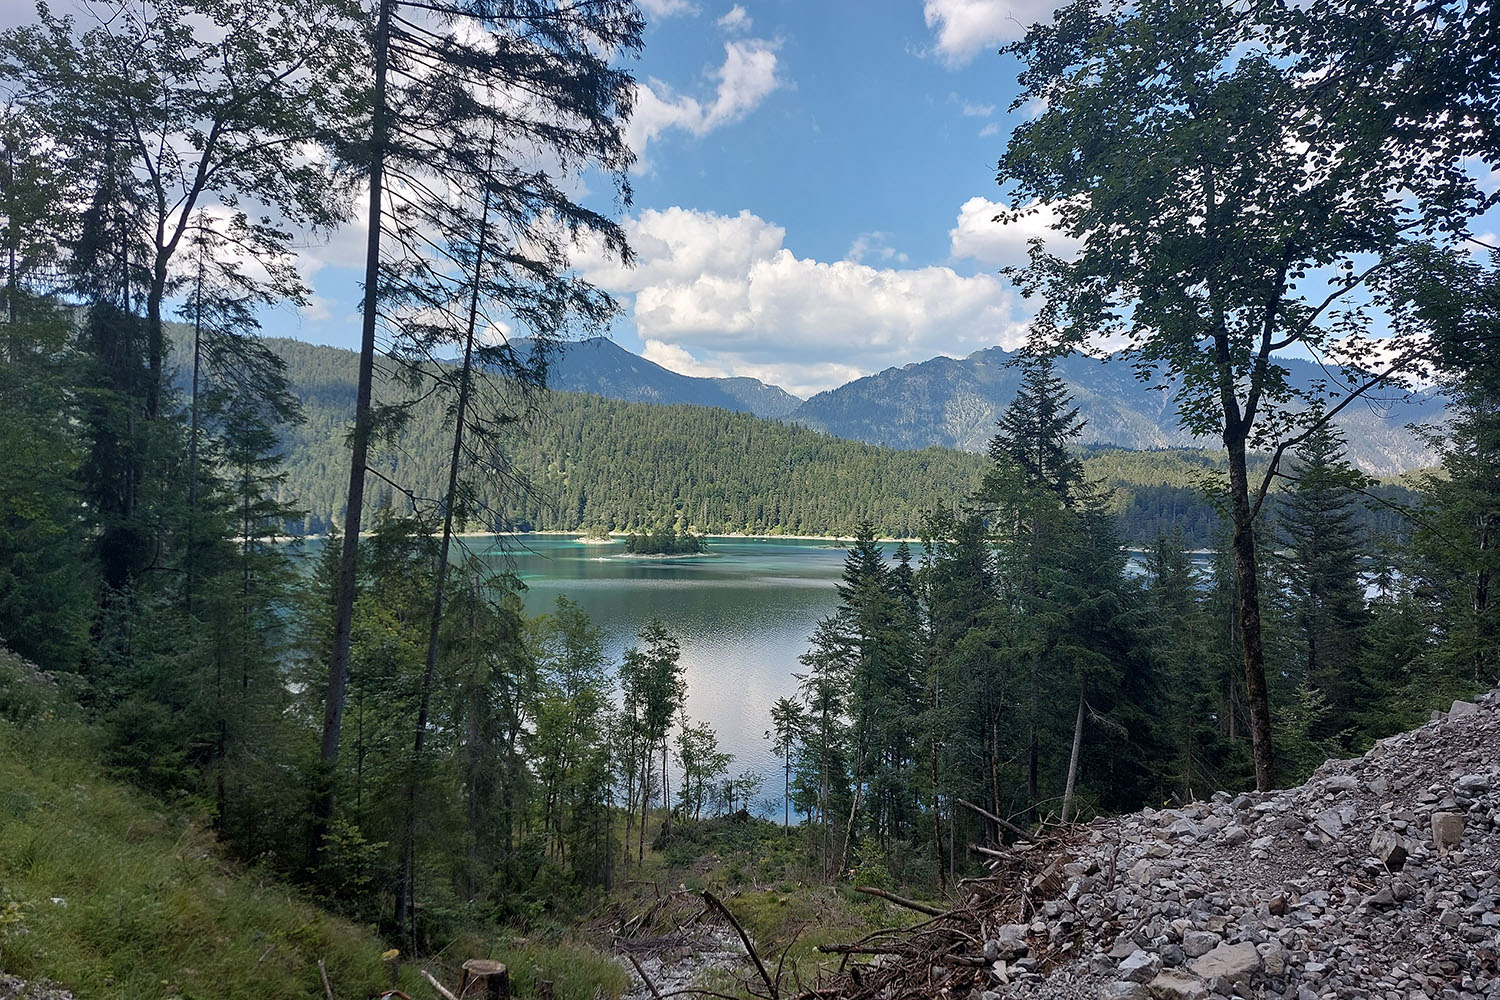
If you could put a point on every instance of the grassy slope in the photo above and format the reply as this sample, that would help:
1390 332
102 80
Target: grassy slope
111 894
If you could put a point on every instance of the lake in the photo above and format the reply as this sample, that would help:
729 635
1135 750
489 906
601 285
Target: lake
743 614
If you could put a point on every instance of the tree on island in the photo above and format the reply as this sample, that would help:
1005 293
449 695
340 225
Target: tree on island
665 542
1244 179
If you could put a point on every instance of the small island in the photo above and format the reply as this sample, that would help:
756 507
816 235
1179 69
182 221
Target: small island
665 542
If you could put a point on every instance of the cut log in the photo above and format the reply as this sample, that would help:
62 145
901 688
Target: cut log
910 904
485 977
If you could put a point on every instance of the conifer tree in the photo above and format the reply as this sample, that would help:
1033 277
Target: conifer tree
463 96
788 724
1321 563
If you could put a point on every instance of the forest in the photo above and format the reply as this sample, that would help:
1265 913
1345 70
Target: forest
594 464
388 731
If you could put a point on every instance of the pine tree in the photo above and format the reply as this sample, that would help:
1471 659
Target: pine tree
1037 429
1457 300
1321 562
448 162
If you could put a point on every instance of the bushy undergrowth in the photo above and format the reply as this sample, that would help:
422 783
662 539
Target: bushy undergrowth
111 894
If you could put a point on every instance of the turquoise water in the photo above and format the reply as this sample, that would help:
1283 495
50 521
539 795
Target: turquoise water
743 614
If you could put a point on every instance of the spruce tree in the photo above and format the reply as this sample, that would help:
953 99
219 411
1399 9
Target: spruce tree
454 120
1321 561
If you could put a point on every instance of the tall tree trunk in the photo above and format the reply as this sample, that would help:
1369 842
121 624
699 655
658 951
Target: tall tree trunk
154 339
859 787
1247 580
1481 605
338 667
192 525
406 891
786 795
647 754
937 825
1067 803
666 790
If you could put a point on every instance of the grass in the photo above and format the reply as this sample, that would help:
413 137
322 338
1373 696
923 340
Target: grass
109 893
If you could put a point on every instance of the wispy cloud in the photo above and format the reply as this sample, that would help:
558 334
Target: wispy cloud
749 73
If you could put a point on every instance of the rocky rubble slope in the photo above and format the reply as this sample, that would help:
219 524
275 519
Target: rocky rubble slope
1378 878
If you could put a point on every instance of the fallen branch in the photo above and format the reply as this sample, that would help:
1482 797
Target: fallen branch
650 986
861 949
713 901
910 904
1005 823
442 990
323 971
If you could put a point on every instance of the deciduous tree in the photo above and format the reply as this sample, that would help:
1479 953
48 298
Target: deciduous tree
1244 178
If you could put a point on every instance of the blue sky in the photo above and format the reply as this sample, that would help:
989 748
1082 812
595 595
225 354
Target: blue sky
814 196
812 200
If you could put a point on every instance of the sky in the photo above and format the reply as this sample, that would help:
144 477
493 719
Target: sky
813 194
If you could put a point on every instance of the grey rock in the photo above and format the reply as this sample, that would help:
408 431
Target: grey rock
1198 943
1447 830
1331 823
1462 708
1390 848
1233 962
1140 967
1174 984
1472 785
1010 942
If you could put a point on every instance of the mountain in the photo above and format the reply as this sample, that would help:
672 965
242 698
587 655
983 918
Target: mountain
594 462
954 403
602 367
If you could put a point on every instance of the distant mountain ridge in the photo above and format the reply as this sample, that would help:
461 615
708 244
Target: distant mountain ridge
602 367
955 402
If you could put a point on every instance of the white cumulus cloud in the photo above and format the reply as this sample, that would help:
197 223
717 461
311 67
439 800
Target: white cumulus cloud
966 27
977 236
723 295
747 76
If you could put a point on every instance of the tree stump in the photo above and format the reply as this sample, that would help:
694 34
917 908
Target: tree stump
485 977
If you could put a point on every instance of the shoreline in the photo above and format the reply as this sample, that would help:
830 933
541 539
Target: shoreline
619 536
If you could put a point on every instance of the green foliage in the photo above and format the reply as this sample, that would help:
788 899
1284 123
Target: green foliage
1228 173
1320 562
665 543
1301 717
116 893
576 972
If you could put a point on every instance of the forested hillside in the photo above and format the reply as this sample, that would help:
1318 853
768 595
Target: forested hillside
600 463
597 463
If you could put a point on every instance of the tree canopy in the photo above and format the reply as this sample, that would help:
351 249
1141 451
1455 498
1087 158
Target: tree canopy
1244 178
